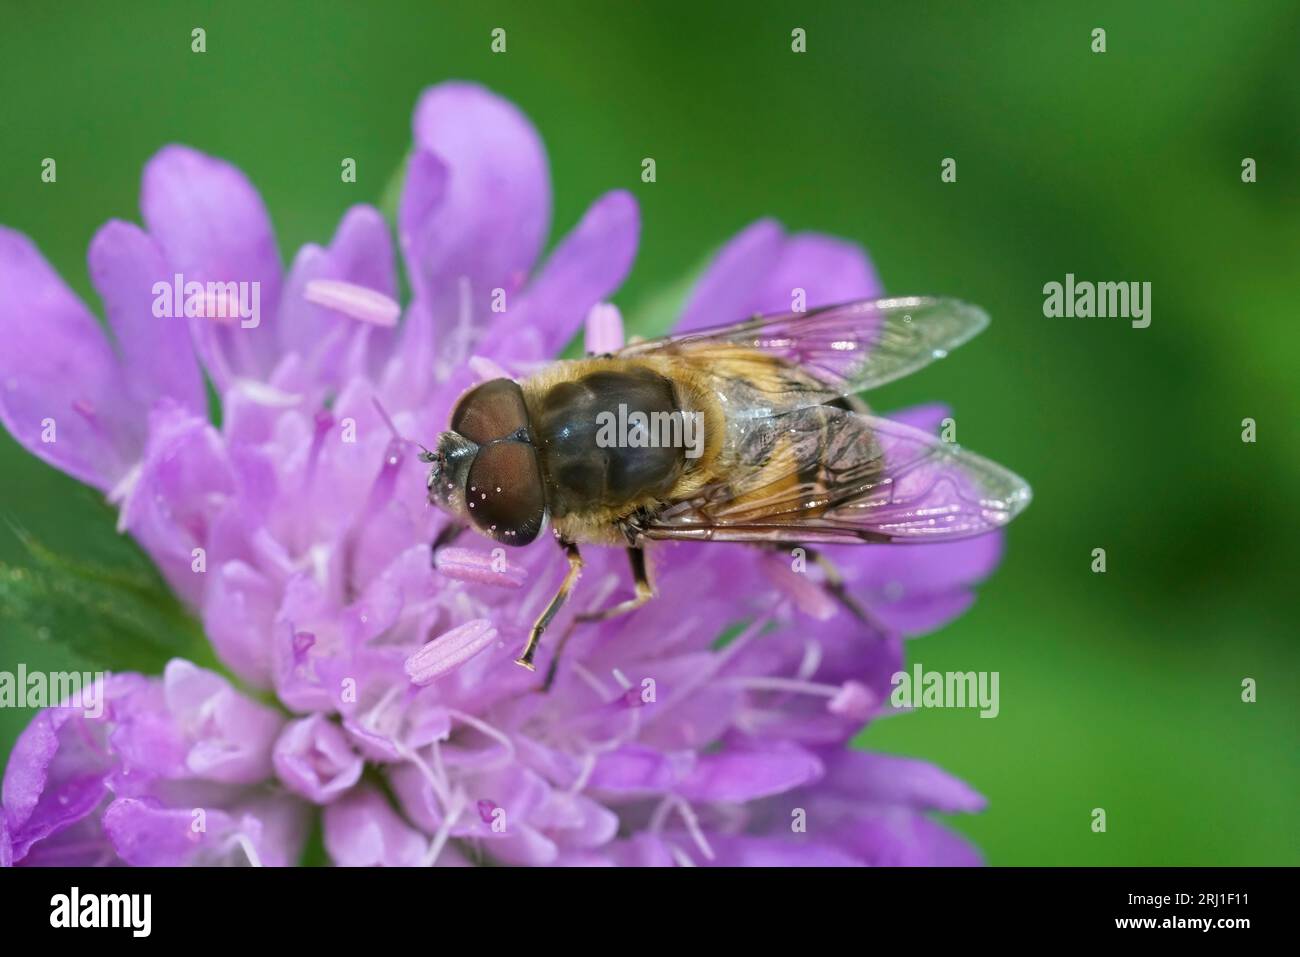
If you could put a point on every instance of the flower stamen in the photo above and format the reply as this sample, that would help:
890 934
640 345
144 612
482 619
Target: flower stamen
353 301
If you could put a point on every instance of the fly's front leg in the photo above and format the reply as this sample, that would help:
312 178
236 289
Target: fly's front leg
570 579
644 590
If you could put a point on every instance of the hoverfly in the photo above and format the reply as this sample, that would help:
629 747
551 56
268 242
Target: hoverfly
788 454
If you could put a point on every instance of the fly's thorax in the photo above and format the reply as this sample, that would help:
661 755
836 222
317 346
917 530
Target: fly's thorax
612 436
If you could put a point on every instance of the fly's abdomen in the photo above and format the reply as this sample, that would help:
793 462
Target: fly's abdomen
610 438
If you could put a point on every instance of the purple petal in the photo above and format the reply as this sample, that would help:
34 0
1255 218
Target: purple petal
314 759
828 270
213 227
701 710
922 615
239 610
750 851
746 775
423 190
230 736
492 217
927 418
893 575
525 846
81 844
183 480
636 769
575 821
807 595
306 634
639 850
891 779
361 255
148 742
604 329
904 839
758 271
362 250
58 768
724 292
385 726
262 832
915 591
146 834
363 830
61 391
54 778
589 264
406 378
157 358
279 825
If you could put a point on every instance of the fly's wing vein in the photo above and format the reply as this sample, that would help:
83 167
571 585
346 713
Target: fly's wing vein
826 474
847 348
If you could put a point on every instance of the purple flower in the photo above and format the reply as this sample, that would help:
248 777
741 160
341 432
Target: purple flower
299 532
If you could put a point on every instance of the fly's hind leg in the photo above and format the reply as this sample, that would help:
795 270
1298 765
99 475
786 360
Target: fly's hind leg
644 590
570 579
835 587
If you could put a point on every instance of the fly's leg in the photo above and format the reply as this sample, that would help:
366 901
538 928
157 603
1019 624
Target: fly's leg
555 659
644 592
570 579
835 587
450 532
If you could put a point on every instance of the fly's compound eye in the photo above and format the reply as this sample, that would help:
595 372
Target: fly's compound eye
504 496
491 411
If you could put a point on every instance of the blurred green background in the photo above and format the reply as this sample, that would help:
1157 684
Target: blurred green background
1120 691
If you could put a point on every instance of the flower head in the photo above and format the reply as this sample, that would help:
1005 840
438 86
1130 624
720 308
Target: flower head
700 729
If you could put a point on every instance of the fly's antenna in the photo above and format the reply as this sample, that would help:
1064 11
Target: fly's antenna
425 454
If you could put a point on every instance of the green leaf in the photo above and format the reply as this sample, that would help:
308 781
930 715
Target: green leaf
115 611
313 852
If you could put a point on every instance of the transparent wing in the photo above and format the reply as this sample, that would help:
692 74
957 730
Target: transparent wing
849 347
825 474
